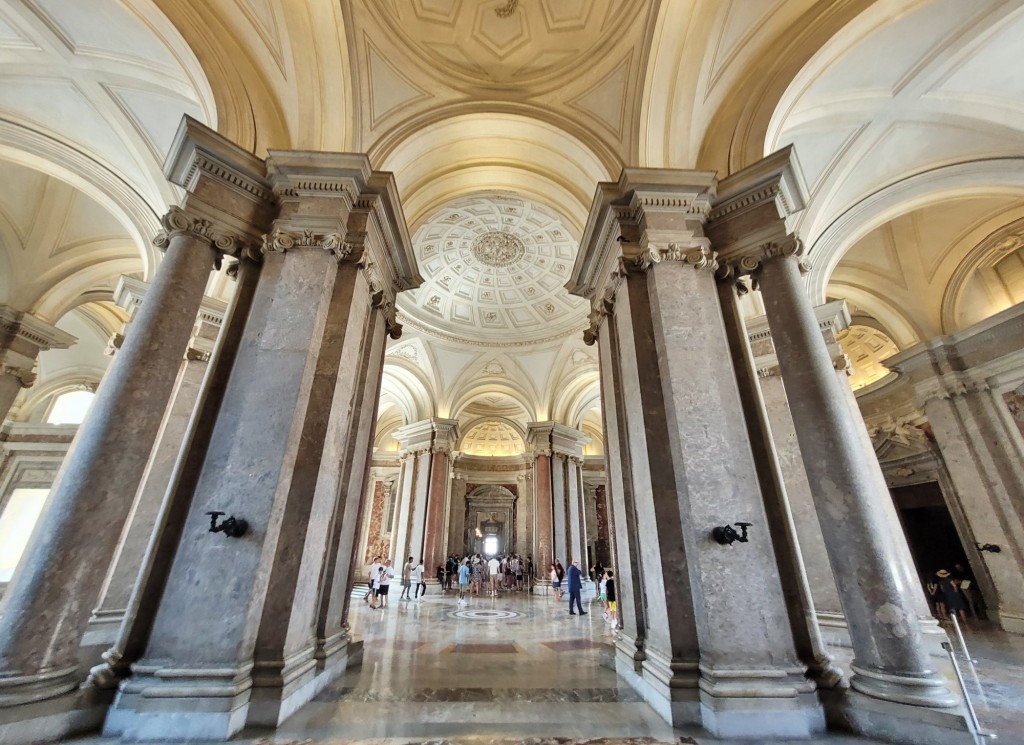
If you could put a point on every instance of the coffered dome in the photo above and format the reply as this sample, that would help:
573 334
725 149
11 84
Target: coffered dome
494 267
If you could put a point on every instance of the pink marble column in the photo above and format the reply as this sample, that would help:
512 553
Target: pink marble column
542 535
437 498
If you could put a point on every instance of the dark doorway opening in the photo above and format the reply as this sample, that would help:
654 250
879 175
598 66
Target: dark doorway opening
932 537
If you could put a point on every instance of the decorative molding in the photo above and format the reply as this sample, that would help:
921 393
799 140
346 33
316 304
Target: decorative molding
283 241
177 221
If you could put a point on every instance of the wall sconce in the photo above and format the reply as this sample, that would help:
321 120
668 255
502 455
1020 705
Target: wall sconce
726 535
232 527
990 547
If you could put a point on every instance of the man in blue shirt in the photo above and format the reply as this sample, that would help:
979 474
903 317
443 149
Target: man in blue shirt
575 587
463 581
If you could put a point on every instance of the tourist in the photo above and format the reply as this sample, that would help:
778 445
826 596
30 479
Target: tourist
951 595
613 606
387 573
517 570
421 586
407 580
556 583
493 566
371 579
575 587
531 572
463 581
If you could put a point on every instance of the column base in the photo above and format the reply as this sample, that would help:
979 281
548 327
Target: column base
76 713
17 690
281 689
759 703
900 723
925 691
670 688
1010 622
161 703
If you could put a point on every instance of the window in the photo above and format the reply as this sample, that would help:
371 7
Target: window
70 408
491 545
16 524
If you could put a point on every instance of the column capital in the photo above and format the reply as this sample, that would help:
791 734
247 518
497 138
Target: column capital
337 202
427 435
748 221
833 318
22 338
984 356
229 200
648 216
552 438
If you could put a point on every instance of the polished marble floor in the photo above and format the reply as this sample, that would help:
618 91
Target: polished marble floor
518 669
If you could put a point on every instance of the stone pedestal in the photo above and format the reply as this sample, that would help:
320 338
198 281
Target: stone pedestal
679 427
881 596
124 570
966 383
237 637
22 338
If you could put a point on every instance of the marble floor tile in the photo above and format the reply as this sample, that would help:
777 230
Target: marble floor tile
518 670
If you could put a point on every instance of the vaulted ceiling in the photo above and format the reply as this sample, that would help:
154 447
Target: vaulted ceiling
906 116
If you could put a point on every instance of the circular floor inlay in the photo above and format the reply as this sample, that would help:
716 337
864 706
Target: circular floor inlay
498 248
484 615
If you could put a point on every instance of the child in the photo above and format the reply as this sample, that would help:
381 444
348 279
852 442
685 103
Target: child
609 592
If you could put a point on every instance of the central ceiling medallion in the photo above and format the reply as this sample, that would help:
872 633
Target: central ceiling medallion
498 248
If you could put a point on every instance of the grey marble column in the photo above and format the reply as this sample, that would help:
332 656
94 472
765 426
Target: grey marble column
559 511
577 517
169 522
708 660
879 588
775 482
124 570
22 338
235 638
47 605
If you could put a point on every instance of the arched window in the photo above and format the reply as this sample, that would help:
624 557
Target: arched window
70 408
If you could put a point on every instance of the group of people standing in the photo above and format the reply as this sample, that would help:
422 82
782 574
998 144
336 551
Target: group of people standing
381 575
509 573
951 594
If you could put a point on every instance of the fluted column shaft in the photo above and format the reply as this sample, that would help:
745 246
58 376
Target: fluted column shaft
873 571
48 603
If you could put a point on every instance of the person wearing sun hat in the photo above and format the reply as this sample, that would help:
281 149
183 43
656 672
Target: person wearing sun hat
952 600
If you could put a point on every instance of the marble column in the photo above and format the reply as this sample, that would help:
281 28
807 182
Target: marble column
963 383
543 547
169 522
419 517
832 318
121 576
235 638
559 508
22 338
708 659
577 515
881 596
775 483
445 435
42 621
